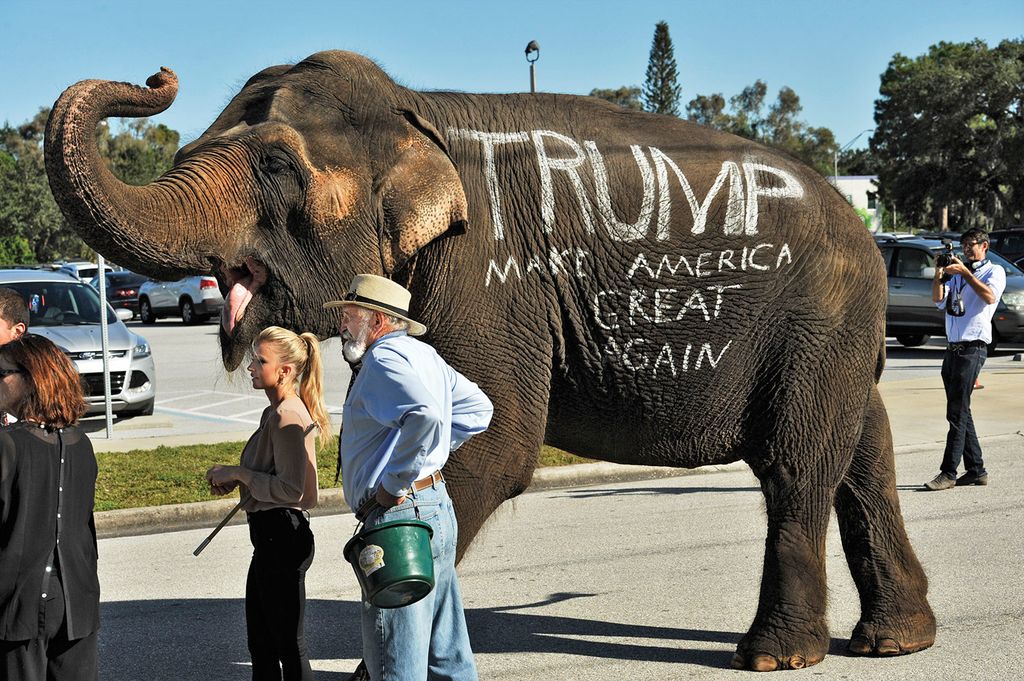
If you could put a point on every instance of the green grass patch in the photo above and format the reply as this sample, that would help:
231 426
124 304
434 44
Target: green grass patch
176 475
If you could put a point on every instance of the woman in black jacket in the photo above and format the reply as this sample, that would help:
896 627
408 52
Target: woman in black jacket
49 591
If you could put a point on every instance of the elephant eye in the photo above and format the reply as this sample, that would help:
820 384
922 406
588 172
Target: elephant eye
276 164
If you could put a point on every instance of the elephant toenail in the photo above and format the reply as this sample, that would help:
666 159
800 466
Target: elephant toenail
859 646
764 663
797 662
888 646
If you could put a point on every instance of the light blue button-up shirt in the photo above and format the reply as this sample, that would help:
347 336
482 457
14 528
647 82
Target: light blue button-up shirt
976 324
406 412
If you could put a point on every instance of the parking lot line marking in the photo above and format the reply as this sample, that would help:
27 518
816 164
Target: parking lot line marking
217 404
193 394
251 411
208 417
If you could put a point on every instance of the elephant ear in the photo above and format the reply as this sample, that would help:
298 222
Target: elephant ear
422 195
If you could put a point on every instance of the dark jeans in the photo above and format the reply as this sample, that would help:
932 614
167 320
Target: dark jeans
275 594
51 656
960 369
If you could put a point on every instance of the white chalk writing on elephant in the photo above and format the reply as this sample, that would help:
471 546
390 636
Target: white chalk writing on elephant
560 153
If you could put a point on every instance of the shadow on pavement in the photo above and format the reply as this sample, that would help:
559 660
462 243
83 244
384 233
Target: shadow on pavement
627 491
205 638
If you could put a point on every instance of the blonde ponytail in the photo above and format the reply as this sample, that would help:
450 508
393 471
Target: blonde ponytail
311 391
304 353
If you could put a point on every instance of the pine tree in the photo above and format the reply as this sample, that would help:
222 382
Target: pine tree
661 91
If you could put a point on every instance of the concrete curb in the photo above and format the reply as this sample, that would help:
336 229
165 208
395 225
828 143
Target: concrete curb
176 517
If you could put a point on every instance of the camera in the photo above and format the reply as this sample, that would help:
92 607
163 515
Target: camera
945 258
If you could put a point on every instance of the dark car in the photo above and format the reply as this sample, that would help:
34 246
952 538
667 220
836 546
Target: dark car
122 290
912 316
1009 243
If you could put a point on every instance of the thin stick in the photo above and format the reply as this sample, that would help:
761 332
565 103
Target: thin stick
228 517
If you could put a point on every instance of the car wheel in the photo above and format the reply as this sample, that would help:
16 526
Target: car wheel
146 312
912 340
188 312
145 410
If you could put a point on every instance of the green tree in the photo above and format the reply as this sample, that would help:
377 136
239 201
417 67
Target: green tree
746 106
27 209
661 90
627 96
708 110
138 153
857 162
780 127
950 133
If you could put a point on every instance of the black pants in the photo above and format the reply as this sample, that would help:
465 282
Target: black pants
960 368
50 656
275 594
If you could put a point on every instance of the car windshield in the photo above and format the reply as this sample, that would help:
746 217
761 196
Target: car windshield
60 303
996 259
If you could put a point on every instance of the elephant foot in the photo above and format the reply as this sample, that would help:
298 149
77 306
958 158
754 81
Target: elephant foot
769 651
875 638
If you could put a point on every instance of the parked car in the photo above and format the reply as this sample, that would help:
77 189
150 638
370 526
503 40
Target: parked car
122 291
912 316
1009 243
83 271
68 313
195 299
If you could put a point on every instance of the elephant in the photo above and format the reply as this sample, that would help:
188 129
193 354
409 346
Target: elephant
626 286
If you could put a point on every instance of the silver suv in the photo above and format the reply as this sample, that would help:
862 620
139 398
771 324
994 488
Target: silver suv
195 299
68 313
912 316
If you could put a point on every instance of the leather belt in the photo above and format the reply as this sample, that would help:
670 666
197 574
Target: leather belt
426 482
960 345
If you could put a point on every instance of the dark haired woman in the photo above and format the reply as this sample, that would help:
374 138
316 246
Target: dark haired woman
49 591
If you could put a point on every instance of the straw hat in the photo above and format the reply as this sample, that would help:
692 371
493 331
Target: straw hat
383 295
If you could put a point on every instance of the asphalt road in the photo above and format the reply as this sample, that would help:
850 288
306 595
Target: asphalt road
644 580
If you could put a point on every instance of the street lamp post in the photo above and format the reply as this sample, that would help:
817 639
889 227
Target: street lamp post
839 150
533 49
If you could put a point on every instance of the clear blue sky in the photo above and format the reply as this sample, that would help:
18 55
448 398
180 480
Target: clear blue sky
830 51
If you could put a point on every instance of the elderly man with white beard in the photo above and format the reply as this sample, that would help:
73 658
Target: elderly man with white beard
406 411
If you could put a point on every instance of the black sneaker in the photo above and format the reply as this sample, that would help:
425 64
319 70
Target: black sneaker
941 481
972 479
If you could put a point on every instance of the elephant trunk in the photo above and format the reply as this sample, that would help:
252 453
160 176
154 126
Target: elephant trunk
167 228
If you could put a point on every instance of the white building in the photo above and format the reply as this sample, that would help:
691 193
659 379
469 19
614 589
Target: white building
861 191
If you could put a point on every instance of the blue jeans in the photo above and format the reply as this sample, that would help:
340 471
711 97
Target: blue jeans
960 369
428 639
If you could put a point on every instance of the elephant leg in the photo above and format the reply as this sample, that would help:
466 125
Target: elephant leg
790 630
895 615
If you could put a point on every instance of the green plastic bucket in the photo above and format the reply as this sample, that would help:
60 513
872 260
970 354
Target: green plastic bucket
393 562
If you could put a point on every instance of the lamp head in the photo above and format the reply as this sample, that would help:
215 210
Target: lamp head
533 49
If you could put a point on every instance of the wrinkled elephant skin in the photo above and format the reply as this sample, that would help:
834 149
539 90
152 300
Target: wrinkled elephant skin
625 286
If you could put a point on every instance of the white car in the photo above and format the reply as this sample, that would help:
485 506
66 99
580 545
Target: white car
83 271
68 313
195 299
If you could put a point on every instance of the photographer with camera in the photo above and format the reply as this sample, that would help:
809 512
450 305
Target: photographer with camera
969 292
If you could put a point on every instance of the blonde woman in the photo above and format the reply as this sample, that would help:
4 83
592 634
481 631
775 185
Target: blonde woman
278 482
